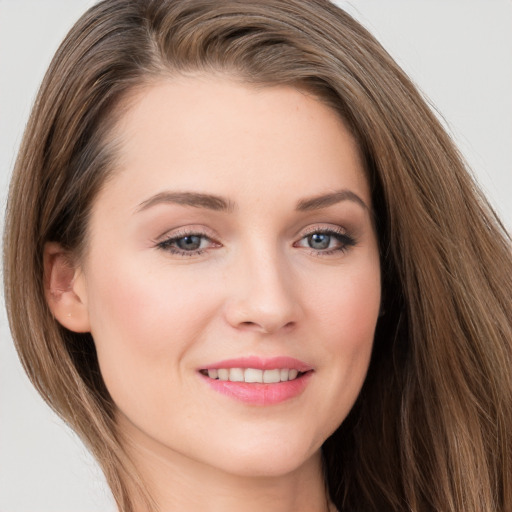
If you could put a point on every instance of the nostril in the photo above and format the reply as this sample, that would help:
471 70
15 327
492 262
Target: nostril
266 328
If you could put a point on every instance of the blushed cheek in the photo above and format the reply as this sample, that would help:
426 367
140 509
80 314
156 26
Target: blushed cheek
138 315
138 331
350 313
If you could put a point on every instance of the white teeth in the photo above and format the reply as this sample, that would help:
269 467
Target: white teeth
223 374
253 375
272 376
236 375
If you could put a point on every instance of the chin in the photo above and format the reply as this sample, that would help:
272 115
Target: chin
267 460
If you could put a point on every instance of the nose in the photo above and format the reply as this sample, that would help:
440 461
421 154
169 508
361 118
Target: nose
263 296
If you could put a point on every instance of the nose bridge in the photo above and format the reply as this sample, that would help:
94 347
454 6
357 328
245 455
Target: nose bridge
263 297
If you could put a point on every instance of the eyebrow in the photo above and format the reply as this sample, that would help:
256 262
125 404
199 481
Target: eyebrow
218 203
326 200
194 199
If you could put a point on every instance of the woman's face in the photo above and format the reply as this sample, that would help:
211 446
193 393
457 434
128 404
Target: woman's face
234 241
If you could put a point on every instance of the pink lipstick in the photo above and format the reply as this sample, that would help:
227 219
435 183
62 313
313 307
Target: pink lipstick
258 381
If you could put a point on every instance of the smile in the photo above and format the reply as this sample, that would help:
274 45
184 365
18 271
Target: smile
258 381
253 375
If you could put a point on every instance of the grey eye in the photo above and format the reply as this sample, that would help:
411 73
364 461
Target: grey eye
319 240
189 243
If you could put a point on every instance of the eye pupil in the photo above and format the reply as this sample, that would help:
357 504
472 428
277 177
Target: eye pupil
190 242
319 241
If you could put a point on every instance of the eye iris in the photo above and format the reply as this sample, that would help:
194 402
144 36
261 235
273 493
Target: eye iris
189 243
319 241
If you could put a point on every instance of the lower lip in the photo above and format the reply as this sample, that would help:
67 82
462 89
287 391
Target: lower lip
260 394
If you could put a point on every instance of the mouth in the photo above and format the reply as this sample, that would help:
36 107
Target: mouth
257 381
253 375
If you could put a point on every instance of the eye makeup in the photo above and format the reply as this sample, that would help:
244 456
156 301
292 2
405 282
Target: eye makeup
319 241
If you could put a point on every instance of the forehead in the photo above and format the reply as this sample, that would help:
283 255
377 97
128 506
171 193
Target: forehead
221 135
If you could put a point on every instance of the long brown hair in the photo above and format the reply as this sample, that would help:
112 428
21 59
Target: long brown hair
432 427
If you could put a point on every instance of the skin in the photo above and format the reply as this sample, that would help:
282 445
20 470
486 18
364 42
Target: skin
256 287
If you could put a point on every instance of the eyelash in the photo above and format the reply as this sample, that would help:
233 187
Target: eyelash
346 241
166 244
343 238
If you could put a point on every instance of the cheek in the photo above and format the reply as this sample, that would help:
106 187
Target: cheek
348 308
143 308
143 323
346 316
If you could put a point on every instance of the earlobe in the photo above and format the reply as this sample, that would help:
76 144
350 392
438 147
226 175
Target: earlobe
65 289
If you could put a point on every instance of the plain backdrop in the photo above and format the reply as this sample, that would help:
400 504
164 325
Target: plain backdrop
458 52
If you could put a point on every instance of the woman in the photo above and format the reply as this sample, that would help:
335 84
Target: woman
214 191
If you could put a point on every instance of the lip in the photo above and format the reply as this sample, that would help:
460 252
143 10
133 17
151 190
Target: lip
258 393
261 363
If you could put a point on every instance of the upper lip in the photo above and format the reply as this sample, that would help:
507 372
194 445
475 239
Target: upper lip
261 363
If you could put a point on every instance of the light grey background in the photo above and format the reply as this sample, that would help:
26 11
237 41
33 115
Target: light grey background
459 52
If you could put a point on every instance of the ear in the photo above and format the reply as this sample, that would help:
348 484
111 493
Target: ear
65 291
